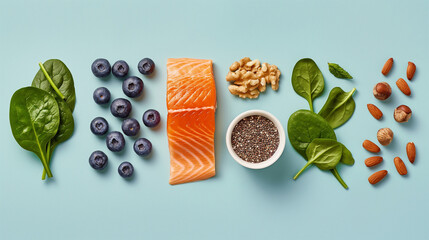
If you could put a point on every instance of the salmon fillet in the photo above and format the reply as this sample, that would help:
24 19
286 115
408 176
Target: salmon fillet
177 67
191 104
191 92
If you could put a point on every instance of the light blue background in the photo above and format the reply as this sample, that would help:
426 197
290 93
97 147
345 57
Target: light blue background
238 203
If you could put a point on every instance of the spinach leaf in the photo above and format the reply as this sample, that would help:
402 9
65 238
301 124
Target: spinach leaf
304 126
307 80
338 71
324 153
65 130
347 157
62 78
34 119
66 127
339 107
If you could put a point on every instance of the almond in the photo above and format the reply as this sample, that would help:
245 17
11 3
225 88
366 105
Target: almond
372 161
411 69
377 177
403 86
411 152
387 66
400 166
375 111
370 146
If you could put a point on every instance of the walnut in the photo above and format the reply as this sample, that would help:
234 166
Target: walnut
249 77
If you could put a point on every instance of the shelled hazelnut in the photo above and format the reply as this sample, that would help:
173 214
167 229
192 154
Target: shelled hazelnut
382 91
385 136
402 114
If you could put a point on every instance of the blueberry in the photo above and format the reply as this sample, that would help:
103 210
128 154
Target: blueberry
99 126
115 141
120 68
146 66
101 67
130 127
126 169
120 108
132 87
101 95
98 160
151 118
142 147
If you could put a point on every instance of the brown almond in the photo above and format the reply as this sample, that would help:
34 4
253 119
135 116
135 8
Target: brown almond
377 177
372 161
411 152
411 69
400 166
370 146
375 111
403 86
387 66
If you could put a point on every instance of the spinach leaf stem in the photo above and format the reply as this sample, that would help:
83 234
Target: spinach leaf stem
338 177
48 158
51 82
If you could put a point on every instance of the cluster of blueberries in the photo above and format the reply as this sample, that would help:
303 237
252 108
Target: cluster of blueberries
121 108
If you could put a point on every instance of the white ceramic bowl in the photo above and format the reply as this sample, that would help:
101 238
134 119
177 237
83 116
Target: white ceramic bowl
267 162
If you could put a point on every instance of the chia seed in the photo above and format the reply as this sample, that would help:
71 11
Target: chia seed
255 139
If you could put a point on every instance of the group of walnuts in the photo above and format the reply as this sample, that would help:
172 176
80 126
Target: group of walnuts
249 78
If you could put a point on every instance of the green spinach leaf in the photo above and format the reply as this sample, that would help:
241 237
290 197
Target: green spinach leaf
339 107
66 127
307 80
347 157
304 126
324 153
338 71
61 77
65 130
34 119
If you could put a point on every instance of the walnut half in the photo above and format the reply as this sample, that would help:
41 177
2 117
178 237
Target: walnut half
249 78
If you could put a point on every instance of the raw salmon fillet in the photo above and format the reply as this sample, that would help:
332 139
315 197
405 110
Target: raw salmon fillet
191 104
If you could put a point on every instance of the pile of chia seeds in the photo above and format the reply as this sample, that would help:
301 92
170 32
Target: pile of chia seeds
255 139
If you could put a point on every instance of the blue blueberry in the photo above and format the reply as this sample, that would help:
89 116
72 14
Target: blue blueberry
120 68
126 169
99 126
130 127
151 118
101 95
98 160
115 141
132 87
101 67
120 107
146 66
142 147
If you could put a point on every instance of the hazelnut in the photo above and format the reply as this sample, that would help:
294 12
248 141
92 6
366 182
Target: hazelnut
385 136
402 114
382 91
